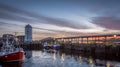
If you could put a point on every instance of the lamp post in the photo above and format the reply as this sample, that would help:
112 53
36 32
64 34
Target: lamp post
114 36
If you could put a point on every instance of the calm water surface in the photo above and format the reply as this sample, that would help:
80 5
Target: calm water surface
51 58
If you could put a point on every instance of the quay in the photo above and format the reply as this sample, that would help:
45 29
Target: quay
93 39
31 45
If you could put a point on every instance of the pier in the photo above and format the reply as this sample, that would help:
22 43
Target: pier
93 39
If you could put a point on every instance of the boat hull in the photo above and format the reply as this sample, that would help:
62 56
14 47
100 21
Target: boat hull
17 56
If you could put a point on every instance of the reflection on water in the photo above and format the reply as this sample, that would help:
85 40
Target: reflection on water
52 58
28 54
62 57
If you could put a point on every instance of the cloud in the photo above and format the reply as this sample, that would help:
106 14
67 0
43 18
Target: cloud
2 23
15 14
5 25
8 16
50 32
109 22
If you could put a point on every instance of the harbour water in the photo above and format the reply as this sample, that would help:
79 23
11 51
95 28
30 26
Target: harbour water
53 58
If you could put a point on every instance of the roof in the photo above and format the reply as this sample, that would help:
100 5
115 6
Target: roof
28 25
90 36
47 39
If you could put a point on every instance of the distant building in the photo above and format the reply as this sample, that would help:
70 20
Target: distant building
21 38
28 33
47 39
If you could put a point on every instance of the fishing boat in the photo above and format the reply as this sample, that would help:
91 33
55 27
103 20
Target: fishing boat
9 53
51 46
56 46
48 46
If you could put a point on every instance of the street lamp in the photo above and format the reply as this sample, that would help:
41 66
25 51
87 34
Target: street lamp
114 38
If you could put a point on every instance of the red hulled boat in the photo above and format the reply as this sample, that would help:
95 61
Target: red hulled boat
16 56
10 53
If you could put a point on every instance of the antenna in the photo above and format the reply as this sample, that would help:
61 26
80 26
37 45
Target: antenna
15 36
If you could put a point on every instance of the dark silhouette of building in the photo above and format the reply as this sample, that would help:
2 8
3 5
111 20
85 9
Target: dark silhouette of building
21 38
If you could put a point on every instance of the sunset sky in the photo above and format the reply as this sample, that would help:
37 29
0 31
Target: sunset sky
59 18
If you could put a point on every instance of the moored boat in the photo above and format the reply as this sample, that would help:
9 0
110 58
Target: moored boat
51 46
9 53
15 56
47 46
56 46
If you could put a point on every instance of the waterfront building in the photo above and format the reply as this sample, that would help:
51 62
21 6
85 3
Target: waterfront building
28 33
21 38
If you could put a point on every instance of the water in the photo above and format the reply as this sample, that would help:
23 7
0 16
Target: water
52 58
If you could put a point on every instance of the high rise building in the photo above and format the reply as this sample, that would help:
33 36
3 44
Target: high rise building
28 33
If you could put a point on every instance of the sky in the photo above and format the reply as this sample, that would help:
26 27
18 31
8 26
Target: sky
60 18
